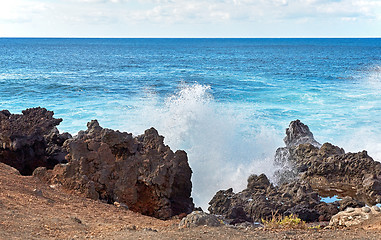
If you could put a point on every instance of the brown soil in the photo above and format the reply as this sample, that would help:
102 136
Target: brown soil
30 209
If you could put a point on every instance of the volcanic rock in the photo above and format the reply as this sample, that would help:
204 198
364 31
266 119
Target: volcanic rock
307 170
349 202
326 210
298 133
328 169
261 200
140 172
30 140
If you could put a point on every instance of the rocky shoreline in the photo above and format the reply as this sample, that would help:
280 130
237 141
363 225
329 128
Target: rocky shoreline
144 175
139 172
307 171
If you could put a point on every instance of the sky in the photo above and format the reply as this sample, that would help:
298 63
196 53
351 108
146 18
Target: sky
190 18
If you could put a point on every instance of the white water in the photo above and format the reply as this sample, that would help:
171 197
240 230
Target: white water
226 143
222 150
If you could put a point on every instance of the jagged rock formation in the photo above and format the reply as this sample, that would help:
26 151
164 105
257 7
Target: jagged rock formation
261 200
114 166
141 173
307 170
328 169
353 174
30 140
297 133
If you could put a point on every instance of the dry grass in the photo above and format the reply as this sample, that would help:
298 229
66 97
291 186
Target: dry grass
284 222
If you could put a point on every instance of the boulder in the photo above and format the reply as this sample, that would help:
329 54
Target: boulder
199 218
140 172
25 143
354 216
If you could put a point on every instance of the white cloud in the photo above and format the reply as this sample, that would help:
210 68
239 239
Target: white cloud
196 13
172 11
95 1
18 11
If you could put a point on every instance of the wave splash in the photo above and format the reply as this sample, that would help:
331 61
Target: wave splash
224 146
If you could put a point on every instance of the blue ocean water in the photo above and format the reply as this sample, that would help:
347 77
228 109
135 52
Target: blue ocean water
227 102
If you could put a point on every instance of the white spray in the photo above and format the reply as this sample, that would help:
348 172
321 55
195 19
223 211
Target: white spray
222 151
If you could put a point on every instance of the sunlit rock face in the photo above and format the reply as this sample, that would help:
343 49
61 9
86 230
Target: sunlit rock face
114 166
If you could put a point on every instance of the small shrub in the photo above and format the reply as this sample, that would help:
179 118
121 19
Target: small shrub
288 222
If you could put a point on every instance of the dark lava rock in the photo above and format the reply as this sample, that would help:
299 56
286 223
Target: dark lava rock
350 202
261 200
298 133
326 211
306 171
304 212
328 169
24 140
140 172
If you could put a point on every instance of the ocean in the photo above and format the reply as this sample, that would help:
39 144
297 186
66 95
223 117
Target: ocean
226 102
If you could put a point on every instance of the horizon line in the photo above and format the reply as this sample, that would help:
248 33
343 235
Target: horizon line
154 37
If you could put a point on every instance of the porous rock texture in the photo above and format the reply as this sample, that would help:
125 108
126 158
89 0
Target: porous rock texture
261 200
30 140
306 171
354 216
114 166
328 169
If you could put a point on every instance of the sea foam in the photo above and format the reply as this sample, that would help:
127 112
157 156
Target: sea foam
224 146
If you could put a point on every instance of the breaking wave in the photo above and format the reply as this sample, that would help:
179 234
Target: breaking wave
224 146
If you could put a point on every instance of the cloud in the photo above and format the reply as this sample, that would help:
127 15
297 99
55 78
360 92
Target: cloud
19 11
181 12
198 11
195 11
95 1
137 14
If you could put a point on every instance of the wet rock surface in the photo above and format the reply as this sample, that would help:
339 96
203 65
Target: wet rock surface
298 133
306 171
140 172
30 140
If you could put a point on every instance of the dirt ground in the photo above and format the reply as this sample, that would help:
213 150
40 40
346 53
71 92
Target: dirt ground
30 209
